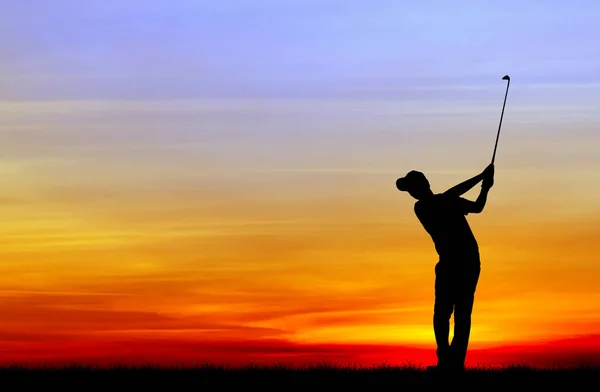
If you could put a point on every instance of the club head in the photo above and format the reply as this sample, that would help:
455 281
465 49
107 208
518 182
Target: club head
506 77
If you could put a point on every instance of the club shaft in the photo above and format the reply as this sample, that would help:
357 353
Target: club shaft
500 125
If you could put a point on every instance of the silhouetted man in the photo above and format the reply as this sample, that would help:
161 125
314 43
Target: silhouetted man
457 271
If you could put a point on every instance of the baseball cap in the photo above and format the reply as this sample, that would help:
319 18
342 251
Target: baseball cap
413 178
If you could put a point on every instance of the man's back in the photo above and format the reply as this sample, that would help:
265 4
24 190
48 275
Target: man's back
443 217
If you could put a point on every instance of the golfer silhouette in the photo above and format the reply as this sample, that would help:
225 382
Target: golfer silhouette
457 271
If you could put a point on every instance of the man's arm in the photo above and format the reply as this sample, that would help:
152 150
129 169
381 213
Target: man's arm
467 185
478 205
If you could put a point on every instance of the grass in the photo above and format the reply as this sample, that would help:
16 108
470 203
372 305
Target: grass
281 377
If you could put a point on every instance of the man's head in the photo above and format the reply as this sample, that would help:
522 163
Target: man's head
415 183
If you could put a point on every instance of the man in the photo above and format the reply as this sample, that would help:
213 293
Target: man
457 271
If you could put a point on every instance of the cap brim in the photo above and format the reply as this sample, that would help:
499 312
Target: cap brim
402 184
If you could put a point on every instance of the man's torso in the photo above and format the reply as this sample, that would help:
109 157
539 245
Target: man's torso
443 217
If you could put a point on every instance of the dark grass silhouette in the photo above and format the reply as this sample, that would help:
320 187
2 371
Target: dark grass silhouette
209 377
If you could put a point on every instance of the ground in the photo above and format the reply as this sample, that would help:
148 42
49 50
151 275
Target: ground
279 377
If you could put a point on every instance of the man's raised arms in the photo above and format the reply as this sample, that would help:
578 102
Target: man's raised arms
464 187
468 206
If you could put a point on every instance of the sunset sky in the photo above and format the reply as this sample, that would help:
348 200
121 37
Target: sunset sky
189 180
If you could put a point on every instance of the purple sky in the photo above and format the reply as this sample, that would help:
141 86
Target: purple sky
139 90
188 49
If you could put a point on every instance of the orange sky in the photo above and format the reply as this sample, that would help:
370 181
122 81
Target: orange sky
104 241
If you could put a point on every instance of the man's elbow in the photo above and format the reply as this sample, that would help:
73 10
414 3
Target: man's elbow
477 208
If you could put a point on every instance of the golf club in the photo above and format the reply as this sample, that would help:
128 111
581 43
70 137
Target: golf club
506 77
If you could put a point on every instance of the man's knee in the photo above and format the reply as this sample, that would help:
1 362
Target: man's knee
463 310
462 320
442 310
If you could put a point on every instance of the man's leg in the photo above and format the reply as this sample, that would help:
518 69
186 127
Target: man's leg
442 311
462 316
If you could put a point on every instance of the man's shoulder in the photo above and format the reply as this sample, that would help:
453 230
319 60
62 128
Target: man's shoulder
447 197
430 200
422 205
